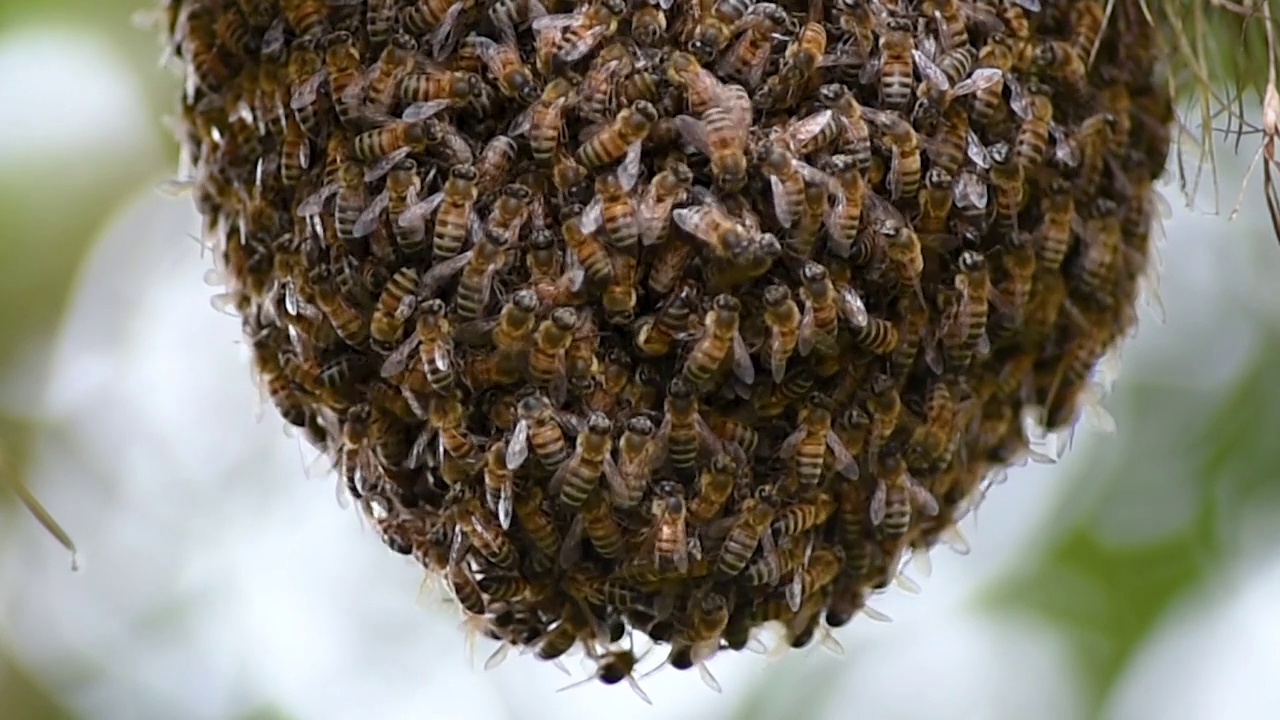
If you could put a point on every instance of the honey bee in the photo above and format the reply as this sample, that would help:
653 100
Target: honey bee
546 363
684 432
1035 107
997 54
800 62
844 218
1093 137
454 207
445 424
543 122
537 426
786 183
725 236
721 135
935 202
452 87
508 14
894 65
344 68
1100 252
306 72
583 30
589 252
614 209
465 589
503 62
740 439
855 135
655 336
306 17
902 249
484 533
499 483
669 531
895 495
811 440
966 331
904 167
621 137
822 569
803 238
649 23
747 59
613 667
475 285
932 442
1019 264
783 318
702 89
494 164
884 405
383 84
669 266
819 323
350 324
1061 60
720 339
1008 180
1053 236
714 27
513 332
748 530
395 305
653 213
577 478
437 17
433 340
352 199
637 452
535 522
798 518
715 485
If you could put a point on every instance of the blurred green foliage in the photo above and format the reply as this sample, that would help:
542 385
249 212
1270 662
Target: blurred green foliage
1104 598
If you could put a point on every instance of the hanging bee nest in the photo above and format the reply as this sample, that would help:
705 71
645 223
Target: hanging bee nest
674 317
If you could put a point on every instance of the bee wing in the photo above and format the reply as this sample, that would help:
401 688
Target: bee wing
419 211
852 307
314 203
870 74
879 504
976 151
1028 5
781 207
523 122
694 132
593 216
423 110
777 358
571 550
845 463
372 215
788 448
806 338
981 79
932 74
795 590
435 278
743 369
307 90
618 489
518 449
446 35
922 497
554 22
629 169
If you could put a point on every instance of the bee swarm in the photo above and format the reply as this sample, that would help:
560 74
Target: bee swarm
672 316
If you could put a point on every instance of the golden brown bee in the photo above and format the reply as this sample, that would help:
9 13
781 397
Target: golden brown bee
508 14
935 202
295 152
445 422
997 54
577 478
669 266
932 441
637 453
584 29
714 28
351 324
615 666
475 284
503 62
723 234
499 483
538 426
344 67
1061 60
351 200
844 219
392 139
702 89
595 264
1008 180
1034 106
1053 236
720 340
783 318
669 532
884 405
437 17
904 167
721 135
550 342
306 73
748 530
1099 260
820 321
454 207
395 305
306 17
1093 138
614 209
894 65
684 432
799 65
747 59
895 495
649 24
395 62
855 135
543 122
599 92
798 518
715 485
494 164
821 570
1018 262
454 87
812 438
965 330
1087 20
465 589
786 183
653 212
536 522
622 136
513 332
485 534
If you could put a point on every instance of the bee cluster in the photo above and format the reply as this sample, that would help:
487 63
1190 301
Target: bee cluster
672 316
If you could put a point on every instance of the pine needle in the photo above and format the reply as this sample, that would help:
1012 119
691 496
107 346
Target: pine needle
8 476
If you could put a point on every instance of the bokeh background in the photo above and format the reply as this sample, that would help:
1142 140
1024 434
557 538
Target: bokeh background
220 577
